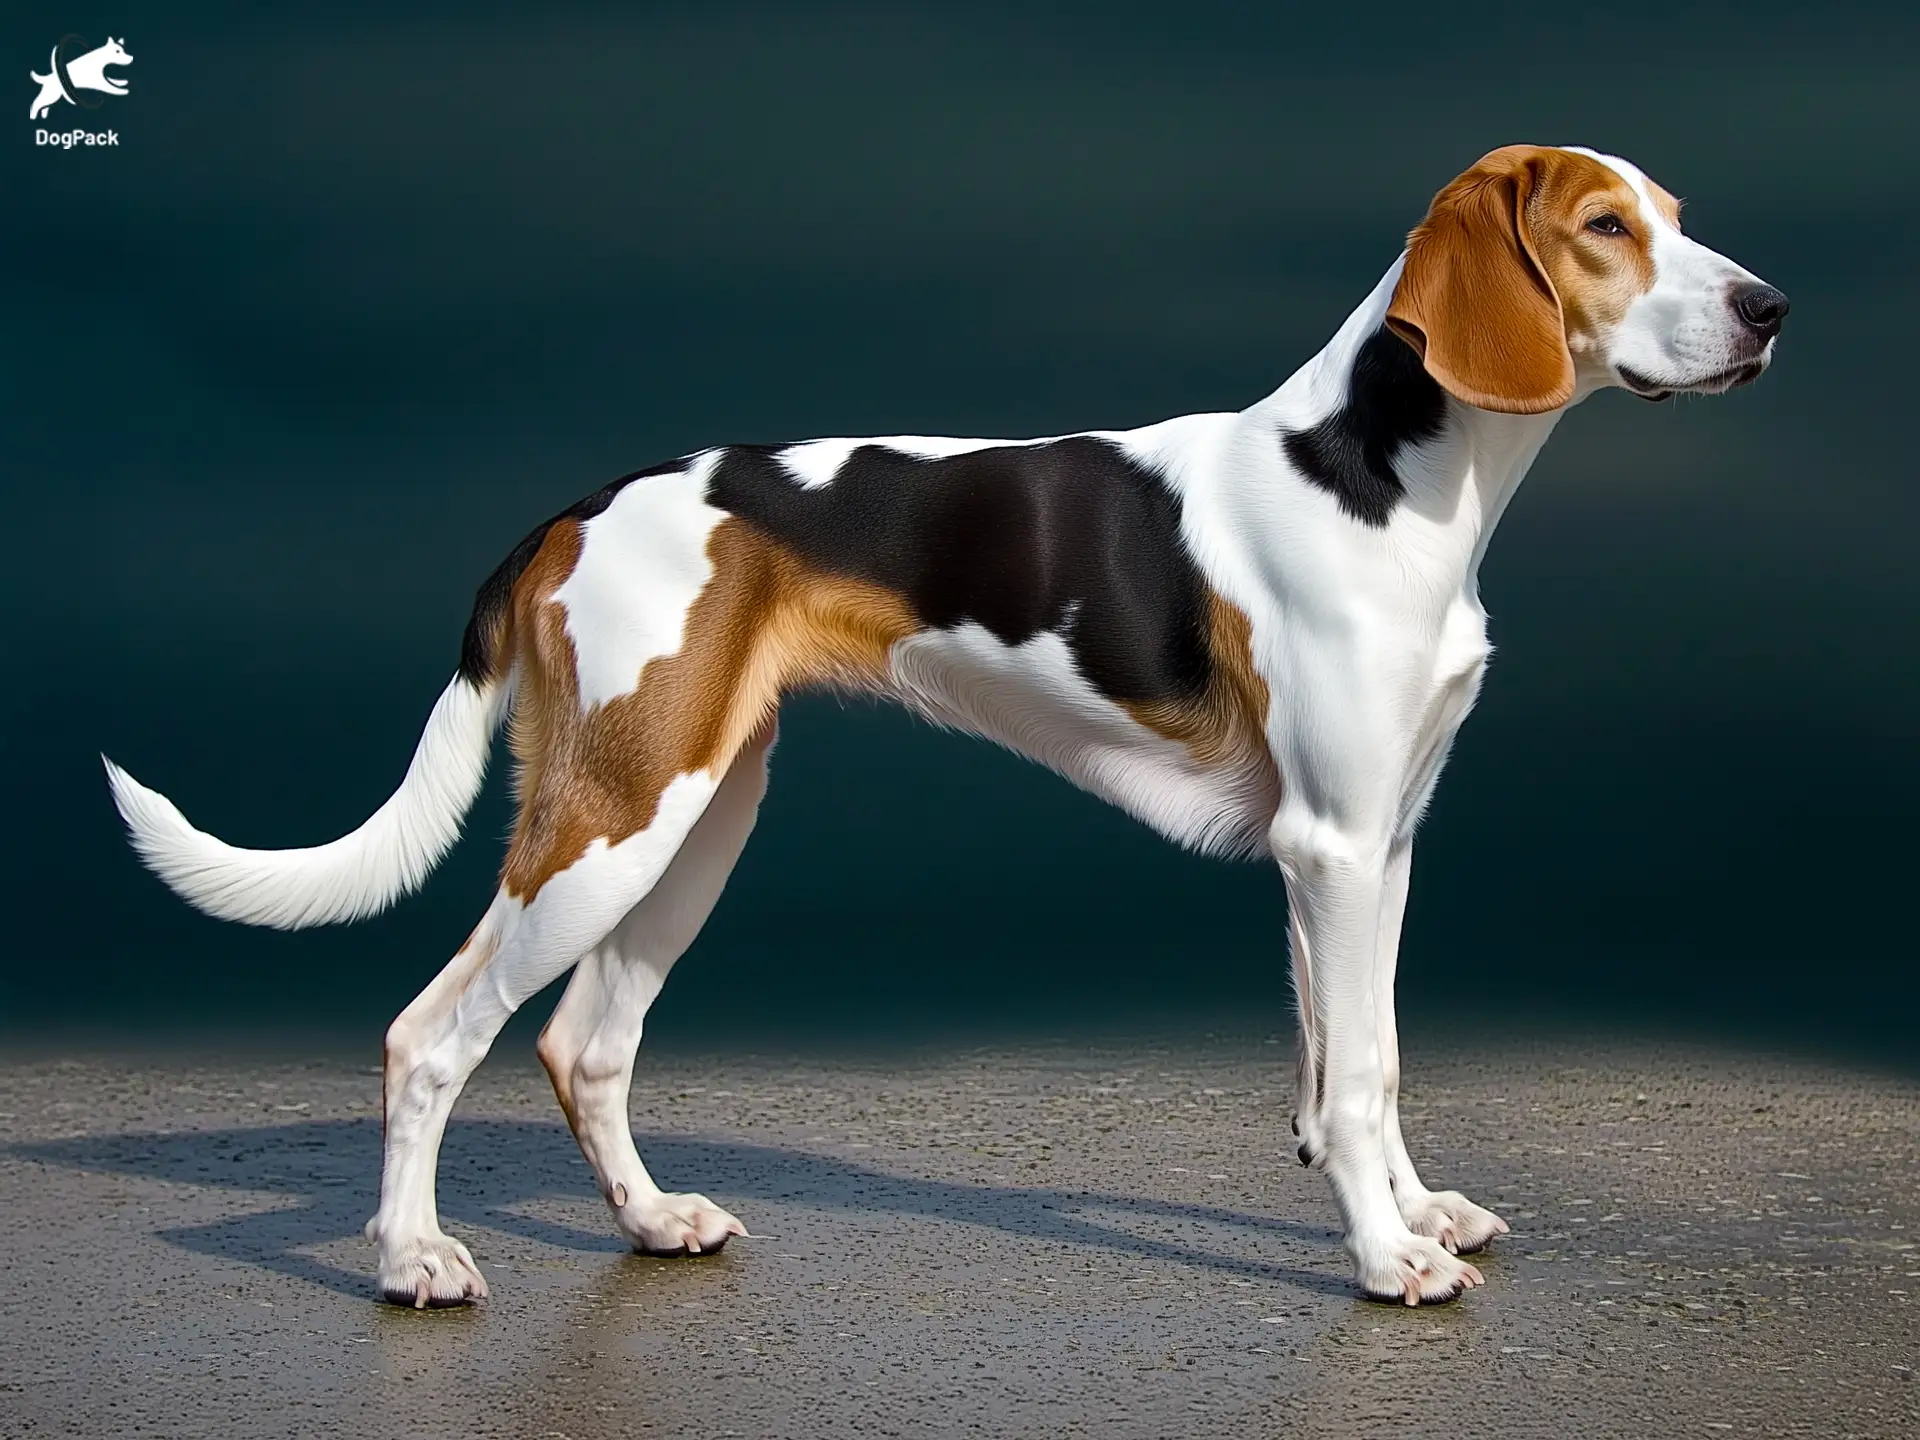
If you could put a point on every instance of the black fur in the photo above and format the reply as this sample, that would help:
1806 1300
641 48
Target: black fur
479 646
1069 535
1391 402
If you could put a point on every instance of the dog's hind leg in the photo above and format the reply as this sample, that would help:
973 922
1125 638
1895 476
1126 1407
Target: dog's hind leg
590 1043
618 772
614 786
524 943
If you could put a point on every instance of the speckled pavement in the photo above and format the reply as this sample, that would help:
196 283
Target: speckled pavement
1038 1240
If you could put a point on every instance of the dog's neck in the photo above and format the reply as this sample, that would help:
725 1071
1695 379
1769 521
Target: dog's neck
1364 420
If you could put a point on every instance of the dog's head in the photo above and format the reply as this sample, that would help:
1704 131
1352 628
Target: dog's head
1544 272
113 53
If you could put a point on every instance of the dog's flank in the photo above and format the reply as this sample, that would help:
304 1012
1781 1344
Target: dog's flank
1256 632
595 766
1071 536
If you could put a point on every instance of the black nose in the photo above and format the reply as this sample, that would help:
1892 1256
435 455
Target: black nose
1762 307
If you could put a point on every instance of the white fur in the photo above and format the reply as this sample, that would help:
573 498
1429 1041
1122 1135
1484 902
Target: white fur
1032 699
357 875
1372 644
643 562
1680 334
814 463
438 1040
590 1043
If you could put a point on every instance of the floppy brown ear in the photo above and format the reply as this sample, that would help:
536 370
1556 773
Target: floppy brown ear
1474 300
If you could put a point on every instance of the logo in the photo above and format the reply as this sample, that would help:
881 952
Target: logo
74 75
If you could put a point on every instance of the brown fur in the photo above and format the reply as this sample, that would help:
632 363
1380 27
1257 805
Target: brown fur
1228 722
1504 284
764 624
1596 276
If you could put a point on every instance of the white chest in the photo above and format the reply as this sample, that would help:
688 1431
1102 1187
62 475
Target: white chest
1455 671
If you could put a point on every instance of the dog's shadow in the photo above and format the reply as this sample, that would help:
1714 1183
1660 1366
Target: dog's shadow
491 1168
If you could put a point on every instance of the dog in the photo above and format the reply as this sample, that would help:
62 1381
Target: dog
1256 632
86 72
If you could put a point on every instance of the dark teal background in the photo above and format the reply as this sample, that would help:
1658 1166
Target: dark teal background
364 293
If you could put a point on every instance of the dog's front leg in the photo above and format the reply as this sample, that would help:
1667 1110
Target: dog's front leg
1336 888
1445 1215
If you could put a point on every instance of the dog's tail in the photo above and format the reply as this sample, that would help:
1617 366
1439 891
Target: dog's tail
355 876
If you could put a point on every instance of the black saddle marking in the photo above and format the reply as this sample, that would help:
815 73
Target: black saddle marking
1391 402
1065 535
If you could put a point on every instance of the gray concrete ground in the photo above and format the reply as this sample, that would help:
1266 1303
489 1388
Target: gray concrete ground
1043 1240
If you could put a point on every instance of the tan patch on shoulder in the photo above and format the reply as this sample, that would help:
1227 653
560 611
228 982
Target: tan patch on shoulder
765 623
1227 723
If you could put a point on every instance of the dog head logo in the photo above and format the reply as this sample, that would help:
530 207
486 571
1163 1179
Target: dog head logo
73 74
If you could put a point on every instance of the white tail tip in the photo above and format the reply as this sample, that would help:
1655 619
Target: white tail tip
349 878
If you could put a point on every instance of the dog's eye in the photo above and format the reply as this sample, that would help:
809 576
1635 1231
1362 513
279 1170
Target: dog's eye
1608 224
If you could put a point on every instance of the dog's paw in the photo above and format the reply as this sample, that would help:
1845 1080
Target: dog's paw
661 1224
1411 1270
433 1271
1455 1221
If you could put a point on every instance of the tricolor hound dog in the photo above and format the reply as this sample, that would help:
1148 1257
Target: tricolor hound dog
1256 632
